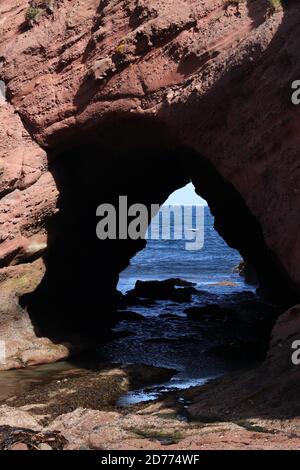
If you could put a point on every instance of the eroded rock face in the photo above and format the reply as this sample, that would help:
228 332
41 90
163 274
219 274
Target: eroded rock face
269 392
209 79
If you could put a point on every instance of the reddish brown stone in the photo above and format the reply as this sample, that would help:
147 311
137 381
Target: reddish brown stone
218 76
18 446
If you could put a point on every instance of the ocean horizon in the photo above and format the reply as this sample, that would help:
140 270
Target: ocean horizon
208 267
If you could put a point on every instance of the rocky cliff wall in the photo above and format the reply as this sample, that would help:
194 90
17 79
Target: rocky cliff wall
100 95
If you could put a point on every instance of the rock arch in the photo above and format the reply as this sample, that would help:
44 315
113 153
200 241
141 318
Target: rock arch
209 81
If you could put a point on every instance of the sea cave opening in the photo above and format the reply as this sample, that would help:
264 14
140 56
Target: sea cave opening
199 332
196 311
168 255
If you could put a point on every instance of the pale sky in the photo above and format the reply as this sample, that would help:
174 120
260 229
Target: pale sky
185 195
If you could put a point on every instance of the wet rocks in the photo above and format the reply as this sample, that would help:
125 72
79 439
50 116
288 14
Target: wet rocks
128 315
169 316
214 310
269 392
247 271
241 350
170 289
255 409
173 339
180 282
18 446
258 311
160 426
96 389
131 300
12 438
11 416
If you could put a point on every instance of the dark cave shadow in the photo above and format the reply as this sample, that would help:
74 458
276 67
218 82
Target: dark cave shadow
82 271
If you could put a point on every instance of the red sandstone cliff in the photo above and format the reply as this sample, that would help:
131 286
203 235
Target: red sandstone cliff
215 74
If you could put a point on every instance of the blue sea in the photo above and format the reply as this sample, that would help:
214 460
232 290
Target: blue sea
213 264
